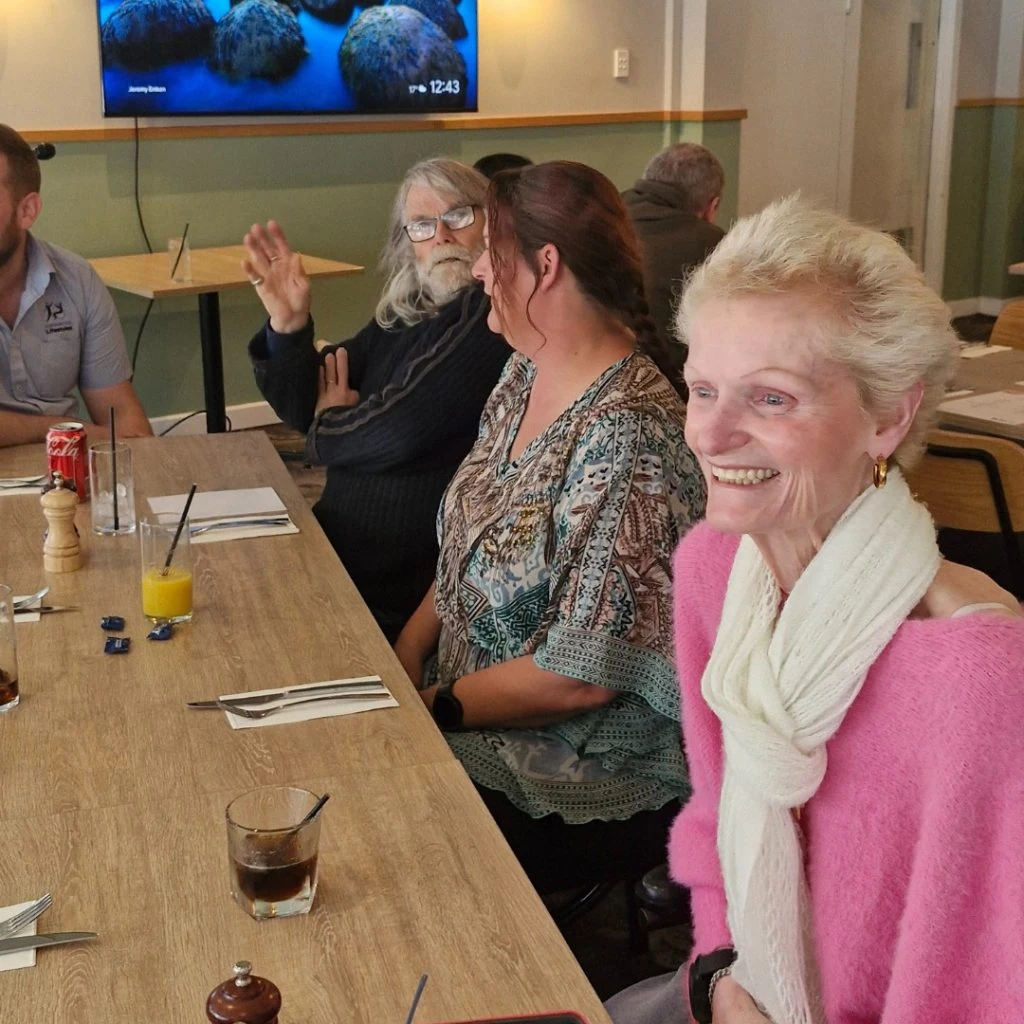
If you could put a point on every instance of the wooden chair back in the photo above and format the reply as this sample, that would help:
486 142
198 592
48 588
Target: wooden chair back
976 483
1009 326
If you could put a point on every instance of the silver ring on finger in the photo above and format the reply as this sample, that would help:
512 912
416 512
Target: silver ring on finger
274 259
256 281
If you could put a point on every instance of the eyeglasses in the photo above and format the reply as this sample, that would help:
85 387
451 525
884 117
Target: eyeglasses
454 220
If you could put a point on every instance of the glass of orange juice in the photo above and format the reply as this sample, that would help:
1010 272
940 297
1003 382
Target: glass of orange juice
166 590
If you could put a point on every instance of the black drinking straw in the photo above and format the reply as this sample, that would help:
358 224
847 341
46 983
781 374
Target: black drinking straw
181 249
314 810
416 999
177 533
310 815
113 467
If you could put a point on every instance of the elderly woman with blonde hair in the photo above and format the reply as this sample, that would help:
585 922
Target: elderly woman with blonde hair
852 704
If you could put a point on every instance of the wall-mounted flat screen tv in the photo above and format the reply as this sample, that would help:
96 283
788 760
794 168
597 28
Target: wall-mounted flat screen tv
190 57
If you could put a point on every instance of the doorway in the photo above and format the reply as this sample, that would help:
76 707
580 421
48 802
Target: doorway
892 142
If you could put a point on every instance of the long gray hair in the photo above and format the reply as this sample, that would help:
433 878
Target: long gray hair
403 300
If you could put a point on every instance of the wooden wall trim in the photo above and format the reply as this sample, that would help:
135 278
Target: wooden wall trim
993 101
201 130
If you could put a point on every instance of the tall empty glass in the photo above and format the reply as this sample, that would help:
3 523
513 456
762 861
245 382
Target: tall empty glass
110 473
271 858
8 652
179 259
166 590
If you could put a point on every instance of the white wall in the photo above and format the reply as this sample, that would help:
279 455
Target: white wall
979 48
555 56
1010 68
785 61
536 57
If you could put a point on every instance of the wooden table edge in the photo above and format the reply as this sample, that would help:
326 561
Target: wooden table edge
107 269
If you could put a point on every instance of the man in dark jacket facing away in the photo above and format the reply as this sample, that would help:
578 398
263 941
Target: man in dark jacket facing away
392 411
673 209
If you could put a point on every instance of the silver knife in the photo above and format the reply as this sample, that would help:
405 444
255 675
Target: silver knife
238 524
39 941
293 691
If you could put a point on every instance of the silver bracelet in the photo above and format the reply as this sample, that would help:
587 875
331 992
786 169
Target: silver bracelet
715 979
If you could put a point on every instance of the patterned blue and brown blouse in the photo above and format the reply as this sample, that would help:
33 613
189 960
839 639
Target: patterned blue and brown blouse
564 555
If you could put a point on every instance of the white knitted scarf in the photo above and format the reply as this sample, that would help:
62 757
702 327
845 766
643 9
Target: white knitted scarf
781 684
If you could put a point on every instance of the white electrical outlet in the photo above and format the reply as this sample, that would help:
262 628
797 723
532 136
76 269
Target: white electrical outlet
621 63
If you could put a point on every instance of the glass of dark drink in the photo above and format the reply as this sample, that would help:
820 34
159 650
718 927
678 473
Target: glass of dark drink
8 652
272 859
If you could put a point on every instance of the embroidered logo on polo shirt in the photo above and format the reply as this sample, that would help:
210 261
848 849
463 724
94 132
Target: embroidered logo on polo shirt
56 321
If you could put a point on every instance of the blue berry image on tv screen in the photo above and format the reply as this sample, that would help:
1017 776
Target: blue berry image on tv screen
258 39
144 34
183 58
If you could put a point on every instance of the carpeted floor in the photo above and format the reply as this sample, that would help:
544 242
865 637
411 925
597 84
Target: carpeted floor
976 327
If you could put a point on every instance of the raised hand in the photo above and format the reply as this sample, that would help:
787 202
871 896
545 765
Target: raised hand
333 389
278 277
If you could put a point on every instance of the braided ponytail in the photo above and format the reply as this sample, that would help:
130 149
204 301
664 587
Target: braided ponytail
580 211
651 343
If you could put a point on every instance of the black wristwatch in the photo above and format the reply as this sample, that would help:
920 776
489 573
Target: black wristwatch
447 708
702 973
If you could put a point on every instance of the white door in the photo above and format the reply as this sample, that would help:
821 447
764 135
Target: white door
893 121
787 61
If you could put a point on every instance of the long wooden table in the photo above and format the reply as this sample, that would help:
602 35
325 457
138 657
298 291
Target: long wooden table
983 375
113 793
213 270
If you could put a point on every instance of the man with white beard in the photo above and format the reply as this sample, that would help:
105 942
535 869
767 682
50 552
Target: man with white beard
392 411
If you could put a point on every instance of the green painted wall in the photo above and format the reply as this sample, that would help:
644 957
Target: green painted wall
1004 208
968 189
985 226
332 194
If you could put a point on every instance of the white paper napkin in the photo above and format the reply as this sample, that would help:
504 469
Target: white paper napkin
27 957
239 532
957 394
307 712
28 615
249 501
976 351
997 406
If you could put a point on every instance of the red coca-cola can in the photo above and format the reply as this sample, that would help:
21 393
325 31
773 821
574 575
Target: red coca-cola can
66 454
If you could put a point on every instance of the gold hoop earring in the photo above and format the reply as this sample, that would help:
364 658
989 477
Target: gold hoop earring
879 471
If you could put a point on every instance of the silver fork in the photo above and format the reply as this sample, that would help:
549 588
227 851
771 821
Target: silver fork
14 924
234 709
236 524
30 599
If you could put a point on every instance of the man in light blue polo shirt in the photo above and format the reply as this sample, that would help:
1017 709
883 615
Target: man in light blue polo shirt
58 325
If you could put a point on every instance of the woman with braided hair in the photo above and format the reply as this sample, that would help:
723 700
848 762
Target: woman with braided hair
544 647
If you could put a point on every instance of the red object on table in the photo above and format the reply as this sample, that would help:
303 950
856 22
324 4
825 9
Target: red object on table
66 454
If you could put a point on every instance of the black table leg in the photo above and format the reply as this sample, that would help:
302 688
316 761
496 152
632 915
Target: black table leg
213 362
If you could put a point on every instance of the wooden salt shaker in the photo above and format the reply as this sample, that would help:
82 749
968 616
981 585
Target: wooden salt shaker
244 999
62 550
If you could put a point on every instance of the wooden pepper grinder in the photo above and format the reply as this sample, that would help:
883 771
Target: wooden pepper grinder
62 550
244 999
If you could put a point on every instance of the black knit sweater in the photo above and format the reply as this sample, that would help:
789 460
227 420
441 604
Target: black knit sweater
389 458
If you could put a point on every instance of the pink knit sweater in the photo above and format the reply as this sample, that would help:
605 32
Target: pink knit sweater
915 840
